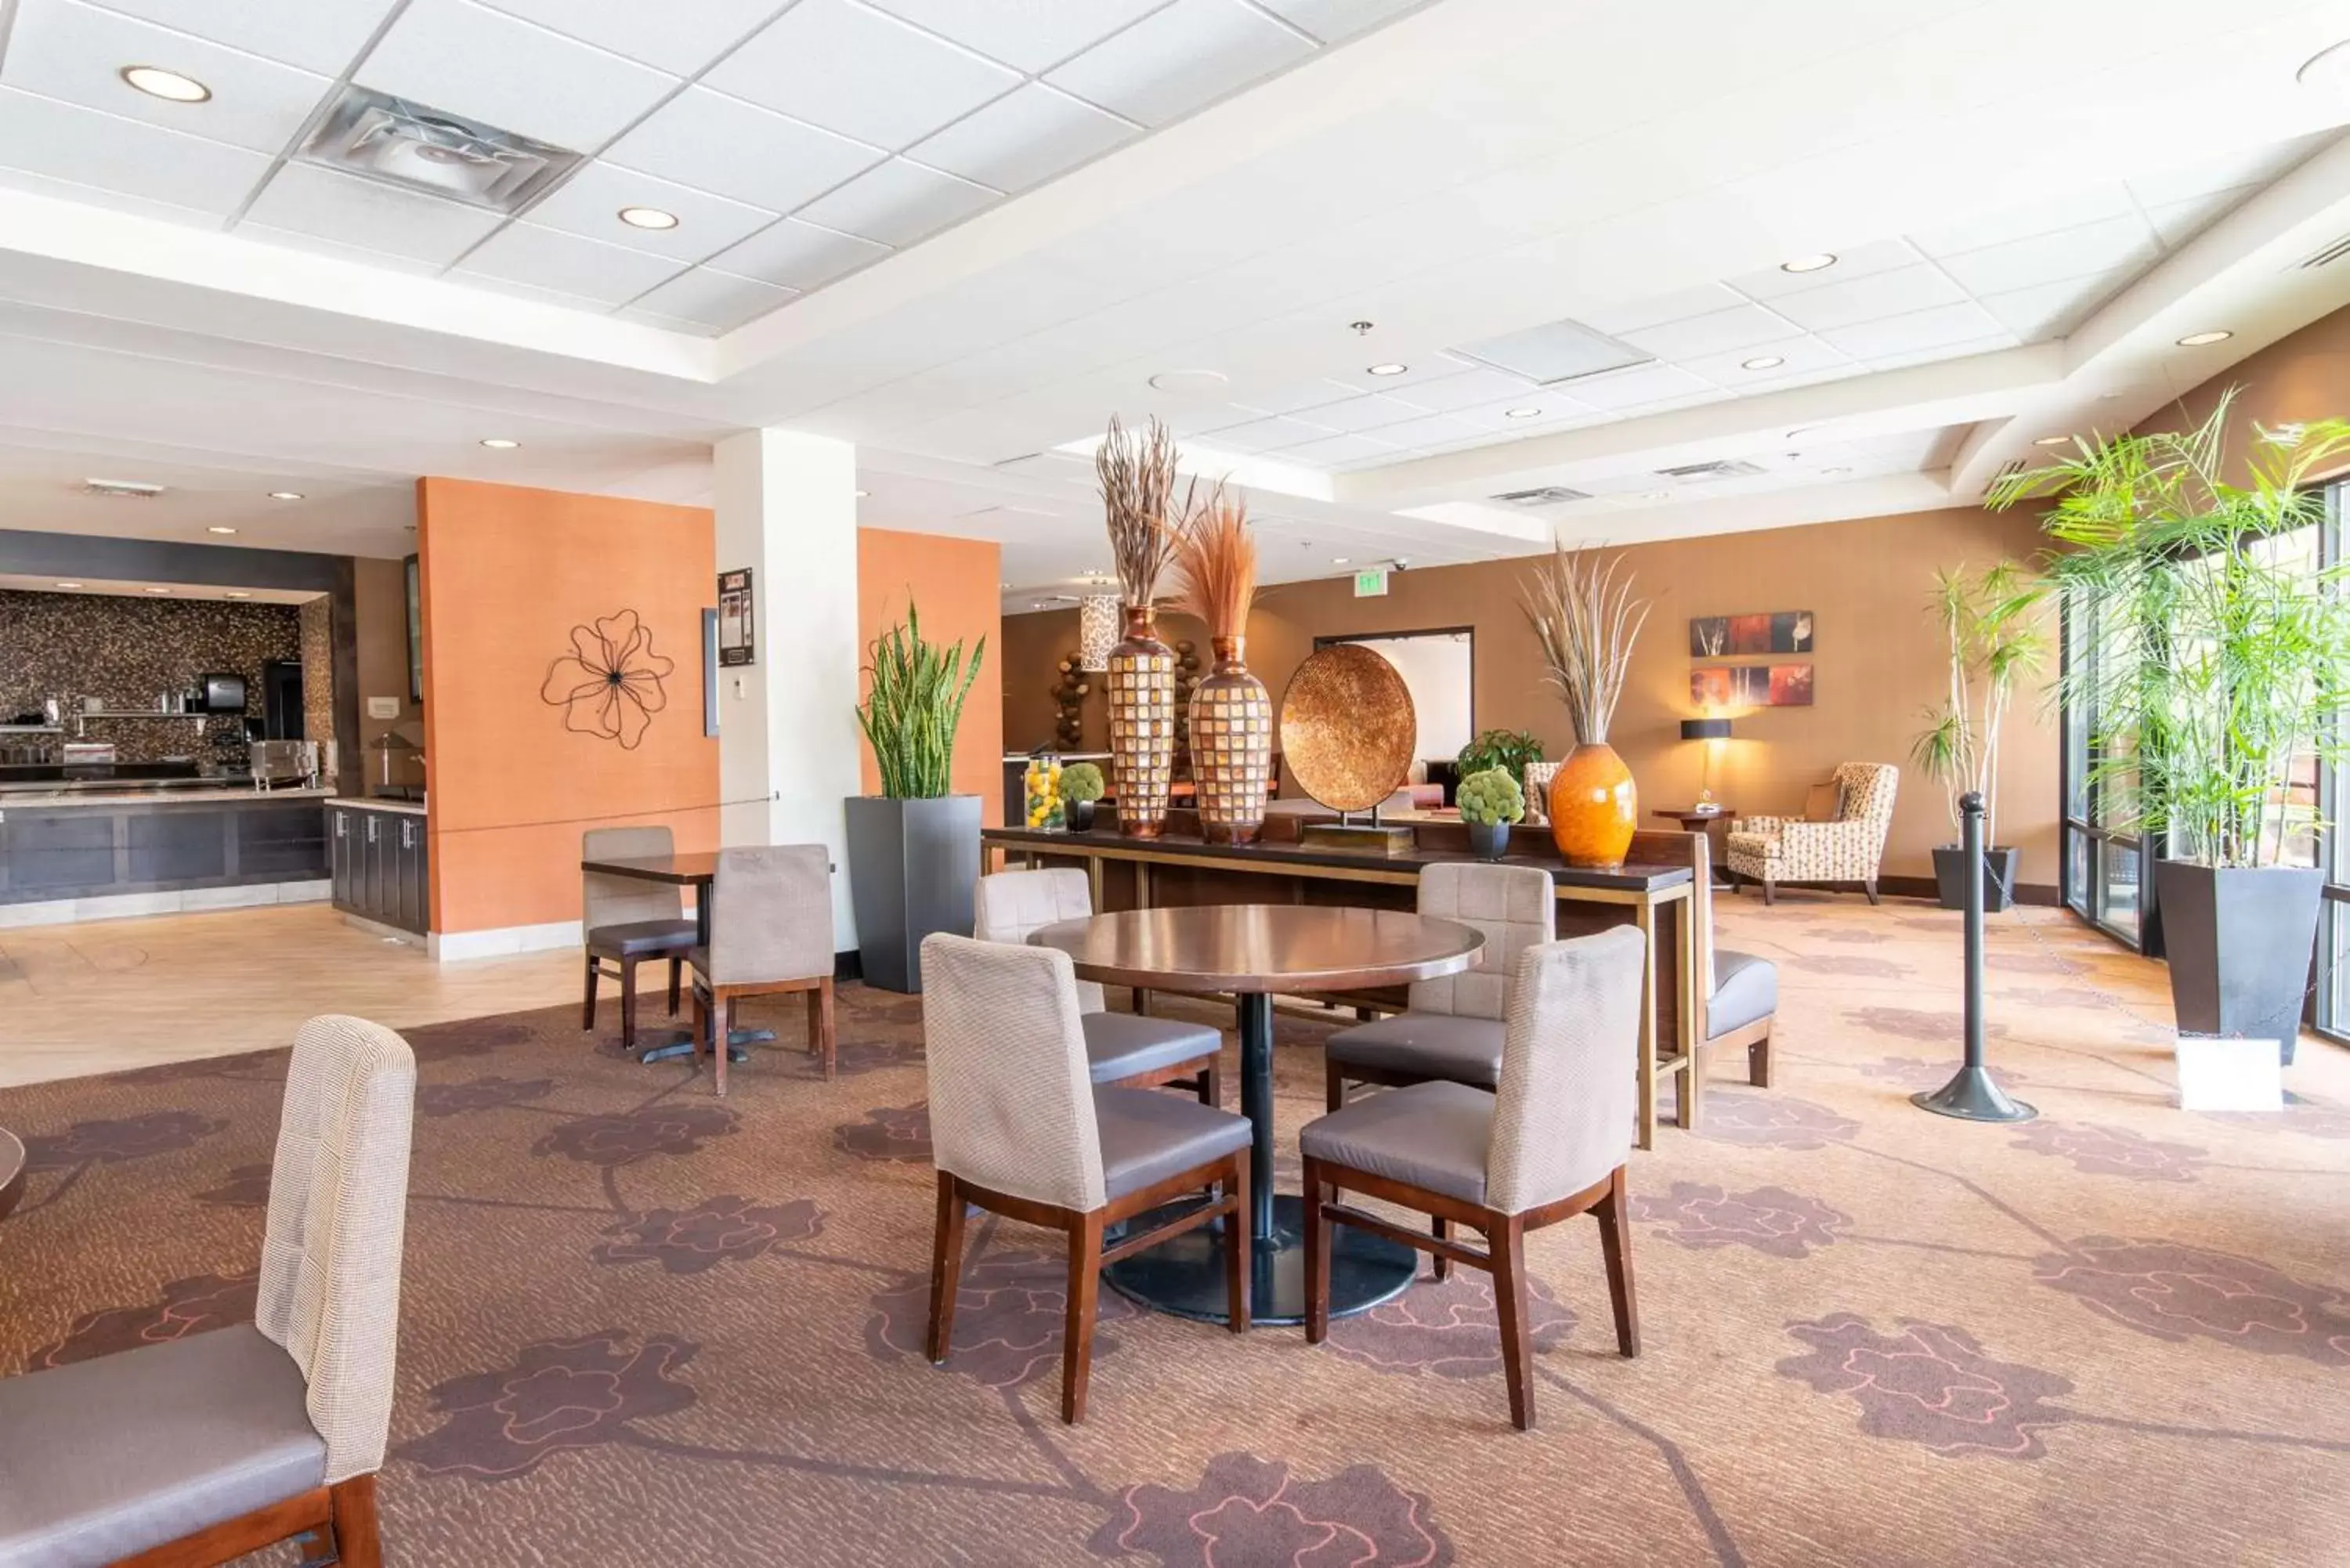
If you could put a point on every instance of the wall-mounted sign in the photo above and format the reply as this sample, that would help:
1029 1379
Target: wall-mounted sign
383 706
737 638
1371 582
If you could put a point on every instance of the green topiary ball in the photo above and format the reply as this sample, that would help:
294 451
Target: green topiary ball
1491 796
1081 781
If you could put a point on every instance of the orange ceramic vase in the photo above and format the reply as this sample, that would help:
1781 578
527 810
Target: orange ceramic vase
1593 807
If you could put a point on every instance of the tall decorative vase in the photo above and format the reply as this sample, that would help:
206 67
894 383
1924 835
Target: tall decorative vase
1594 808
1141 682
1232 747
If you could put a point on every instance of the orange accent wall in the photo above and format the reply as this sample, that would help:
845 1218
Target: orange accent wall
953 583
505 573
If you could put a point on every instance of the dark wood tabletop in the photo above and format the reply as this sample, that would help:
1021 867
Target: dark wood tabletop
1633 876
1263 946
691 868
11 1172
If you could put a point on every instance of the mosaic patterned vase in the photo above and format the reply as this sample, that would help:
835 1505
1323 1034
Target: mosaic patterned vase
1232 748
1141 682
1594 808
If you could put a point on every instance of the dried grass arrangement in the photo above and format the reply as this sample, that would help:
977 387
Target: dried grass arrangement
1215 564
1587 618
1138 488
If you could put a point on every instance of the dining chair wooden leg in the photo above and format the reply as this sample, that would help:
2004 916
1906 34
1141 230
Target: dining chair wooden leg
1615 1245
1085 1291
1317 1256
1758 1062
628 1004
358 1543
1334 1087
946 1268
676 974
1240 1253
588 1003
1441 1229
1211 1084
722 1037
822 1039
1506 1243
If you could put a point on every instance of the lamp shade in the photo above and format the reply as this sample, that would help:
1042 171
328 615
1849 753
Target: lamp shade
1097 631
1705 729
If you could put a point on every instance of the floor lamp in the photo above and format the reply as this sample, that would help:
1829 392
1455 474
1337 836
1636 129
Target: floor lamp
1708 731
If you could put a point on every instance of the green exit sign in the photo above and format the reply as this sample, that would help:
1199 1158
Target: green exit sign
1371 582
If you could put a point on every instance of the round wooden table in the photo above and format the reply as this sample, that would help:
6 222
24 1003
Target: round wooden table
1253 950
11 1172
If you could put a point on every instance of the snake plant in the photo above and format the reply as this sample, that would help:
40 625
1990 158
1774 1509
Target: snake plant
912 705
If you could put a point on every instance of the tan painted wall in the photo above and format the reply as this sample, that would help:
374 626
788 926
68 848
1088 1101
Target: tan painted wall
2303 377
953 583
1878 663
380 596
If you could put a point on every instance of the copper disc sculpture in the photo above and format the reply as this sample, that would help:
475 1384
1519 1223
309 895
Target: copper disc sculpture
1347 728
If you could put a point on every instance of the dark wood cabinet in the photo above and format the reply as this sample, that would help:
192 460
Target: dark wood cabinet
381 866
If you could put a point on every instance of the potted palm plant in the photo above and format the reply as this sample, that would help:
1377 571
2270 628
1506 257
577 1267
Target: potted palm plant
913 850
1995 645
2223 663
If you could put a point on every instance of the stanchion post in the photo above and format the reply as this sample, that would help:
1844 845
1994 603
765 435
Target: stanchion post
1973 1095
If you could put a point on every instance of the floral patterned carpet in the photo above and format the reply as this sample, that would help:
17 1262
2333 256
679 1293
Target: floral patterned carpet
641 1326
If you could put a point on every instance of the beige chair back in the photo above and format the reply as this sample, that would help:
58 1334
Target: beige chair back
337 1204
1011 1101
771 915
1865 793
624 900
1562 1115
1012 904
1512 905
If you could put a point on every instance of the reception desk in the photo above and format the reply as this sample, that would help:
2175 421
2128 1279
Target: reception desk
1660 890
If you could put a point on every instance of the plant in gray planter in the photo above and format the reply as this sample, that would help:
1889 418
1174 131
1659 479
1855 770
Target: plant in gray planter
2223 663
1490 801
913 850
1990 623
1081 785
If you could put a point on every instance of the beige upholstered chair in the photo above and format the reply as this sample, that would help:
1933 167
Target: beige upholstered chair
770 933
1452 1030
1550 1145
1777 850
1123 1047
1018 1126
202 1450
626 920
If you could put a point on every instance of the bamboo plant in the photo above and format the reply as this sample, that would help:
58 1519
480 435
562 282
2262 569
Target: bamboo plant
912 707
1995 645
1586 619
2221 660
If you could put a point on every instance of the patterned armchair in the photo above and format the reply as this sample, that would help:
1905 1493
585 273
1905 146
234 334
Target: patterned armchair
1775 850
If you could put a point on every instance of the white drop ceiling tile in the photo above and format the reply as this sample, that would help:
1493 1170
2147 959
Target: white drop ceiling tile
1527 411
1174 60
2044 215
857 72
2054 309
590 204
1030 35
1741 326
1916 332
63 49
713 299
1947 351
345 210
322 36
1855 262
676 38
1677 306
2123 241
667 324
1352 414
466 58
1799 357
1266 435
2229 170
64 141
1421 369
1331 451
519 290
113 200
713 143
1331 20
294 240
798 255
1897 293
1635 388
551 259
899 203
1289 399
1430 429
1023 139
2176 222
1467 390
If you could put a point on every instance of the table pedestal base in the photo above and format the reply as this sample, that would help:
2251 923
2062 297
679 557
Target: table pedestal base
1186 1276
738 1044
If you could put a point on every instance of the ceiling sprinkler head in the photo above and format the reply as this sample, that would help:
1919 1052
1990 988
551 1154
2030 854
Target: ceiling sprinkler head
1360 328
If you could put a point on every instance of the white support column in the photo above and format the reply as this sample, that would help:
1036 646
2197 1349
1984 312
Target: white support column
788 738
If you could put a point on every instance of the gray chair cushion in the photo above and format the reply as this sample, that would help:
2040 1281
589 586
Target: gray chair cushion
1426 1044
1121 1045
1431 1136
1745 987
639 939
1147 1136
108 1458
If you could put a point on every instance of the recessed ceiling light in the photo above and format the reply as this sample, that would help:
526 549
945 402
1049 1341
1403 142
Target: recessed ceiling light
1762 362
863 494
68 584
1657 495
2052 440
284 495
159 590
220 528
171 85
1187 380
2203 339
1339 560
647 218
1809 264
500 443
1837 470
1389 368
1520 413
2329 68
236 594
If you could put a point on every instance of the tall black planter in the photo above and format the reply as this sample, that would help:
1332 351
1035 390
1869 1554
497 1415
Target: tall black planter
914 869
2000 869
2239 942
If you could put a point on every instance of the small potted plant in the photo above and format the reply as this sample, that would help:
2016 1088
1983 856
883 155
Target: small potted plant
1081 785
1491 801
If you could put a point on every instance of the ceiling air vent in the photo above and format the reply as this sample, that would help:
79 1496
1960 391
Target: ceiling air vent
1548 495
2013 466
1699 473
2329 255
1555 351
121 489
420 149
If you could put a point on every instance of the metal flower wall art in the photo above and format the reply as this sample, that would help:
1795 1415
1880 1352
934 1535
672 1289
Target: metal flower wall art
609 684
